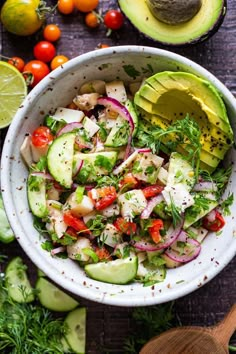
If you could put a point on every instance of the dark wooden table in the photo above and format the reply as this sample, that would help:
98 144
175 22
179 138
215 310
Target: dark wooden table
107 326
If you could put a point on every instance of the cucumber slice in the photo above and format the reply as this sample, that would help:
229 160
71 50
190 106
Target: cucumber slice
36 191
76 336
6 233
130 107
51 297
119 271
60 158
17 282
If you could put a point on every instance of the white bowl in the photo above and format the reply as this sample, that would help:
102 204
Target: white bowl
58 89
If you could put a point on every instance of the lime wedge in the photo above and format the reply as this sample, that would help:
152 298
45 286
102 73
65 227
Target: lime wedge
13 90
119 271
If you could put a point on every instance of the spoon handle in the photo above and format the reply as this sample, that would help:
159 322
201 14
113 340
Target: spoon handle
224 330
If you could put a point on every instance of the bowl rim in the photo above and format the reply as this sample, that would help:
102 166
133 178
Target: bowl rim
9 205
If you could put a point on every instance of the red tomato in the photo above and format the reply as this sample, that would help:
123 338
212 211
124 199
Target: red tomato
70 231
17 63
127 227
51 33
129 180
38 69
105 196
113 19
152 191
103 253
75 222
214 225
154 230
58 60
44 51
42 136
65 7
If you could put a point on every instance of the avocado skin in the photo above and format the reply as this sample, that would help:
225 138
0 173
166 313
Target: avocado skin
175 11
193 41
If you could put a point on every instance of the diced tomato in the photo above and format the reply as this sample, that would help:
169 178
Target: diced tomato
103 253
70 231
214 225
42 136
128 180
154 230
103 197
127 227
76 223
152 191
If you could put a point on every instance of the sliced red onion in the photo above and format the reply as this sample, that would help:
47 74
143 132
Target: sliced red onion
187 257
151 205
116 106
69 128
58 250
205 186
144 150
77 167
210 217
88 187
82 145
167 240
42 175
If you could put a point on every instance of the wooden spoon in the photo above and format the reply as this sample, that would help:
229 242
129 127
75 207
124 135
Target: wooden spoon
194 340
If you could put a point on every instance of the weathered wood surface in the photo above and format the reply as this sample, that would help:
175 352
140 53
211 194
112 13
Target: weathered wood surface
108 326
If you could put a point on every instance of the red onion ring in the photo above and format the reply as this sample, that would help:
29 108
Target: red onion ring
211 216
205 186
116 106
58 250
184 258
144 150
77 167
69 128
42 175
151 205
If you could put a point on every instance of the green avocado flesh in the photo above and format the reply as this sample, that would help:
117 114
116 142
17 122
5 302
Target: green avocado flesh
168 96
199 27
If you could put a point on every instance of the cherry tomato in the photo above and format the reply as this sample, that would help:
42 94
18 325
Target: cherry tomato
76 223
127 227
44 51
92 20
42 136
154 230
214 225
70 231
86 5
51 33
38 69
57 61
105 196
102 45
66 7
17 63
113 19
152 191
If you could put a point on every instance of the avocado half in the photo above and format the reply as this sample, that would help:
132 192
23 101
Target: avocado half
202 26
168 96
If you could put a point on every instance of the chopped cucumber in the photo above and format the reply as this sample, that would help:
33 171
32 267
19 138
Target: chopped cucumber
6 233
17 282
119 271
36 191
51 297
76 335
130 107
60 158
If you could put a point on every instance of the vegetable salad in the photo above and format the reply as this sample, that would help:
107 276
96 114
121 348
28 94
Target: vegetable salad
107 193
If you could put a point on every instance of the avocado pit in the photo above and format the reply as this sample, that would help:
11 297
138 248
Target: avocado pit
174 12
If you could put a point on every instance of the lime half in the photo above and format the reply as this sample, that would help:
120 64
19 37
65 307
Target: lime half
13 90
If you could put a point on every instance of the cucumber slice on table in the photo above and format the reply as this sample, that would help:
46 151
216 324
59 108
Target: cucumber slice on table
51 297
60 159
119 271
76 335
17 282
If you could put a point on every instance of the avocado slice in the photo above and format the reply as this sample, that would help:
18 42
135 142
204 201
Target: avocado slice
204 24
168 96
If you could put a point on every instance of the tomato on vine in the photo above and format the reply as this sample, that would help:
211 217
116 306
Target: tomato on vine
65 7
38 69
92 19
86 5
113 19
17 62
57 61
44 51
51 33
